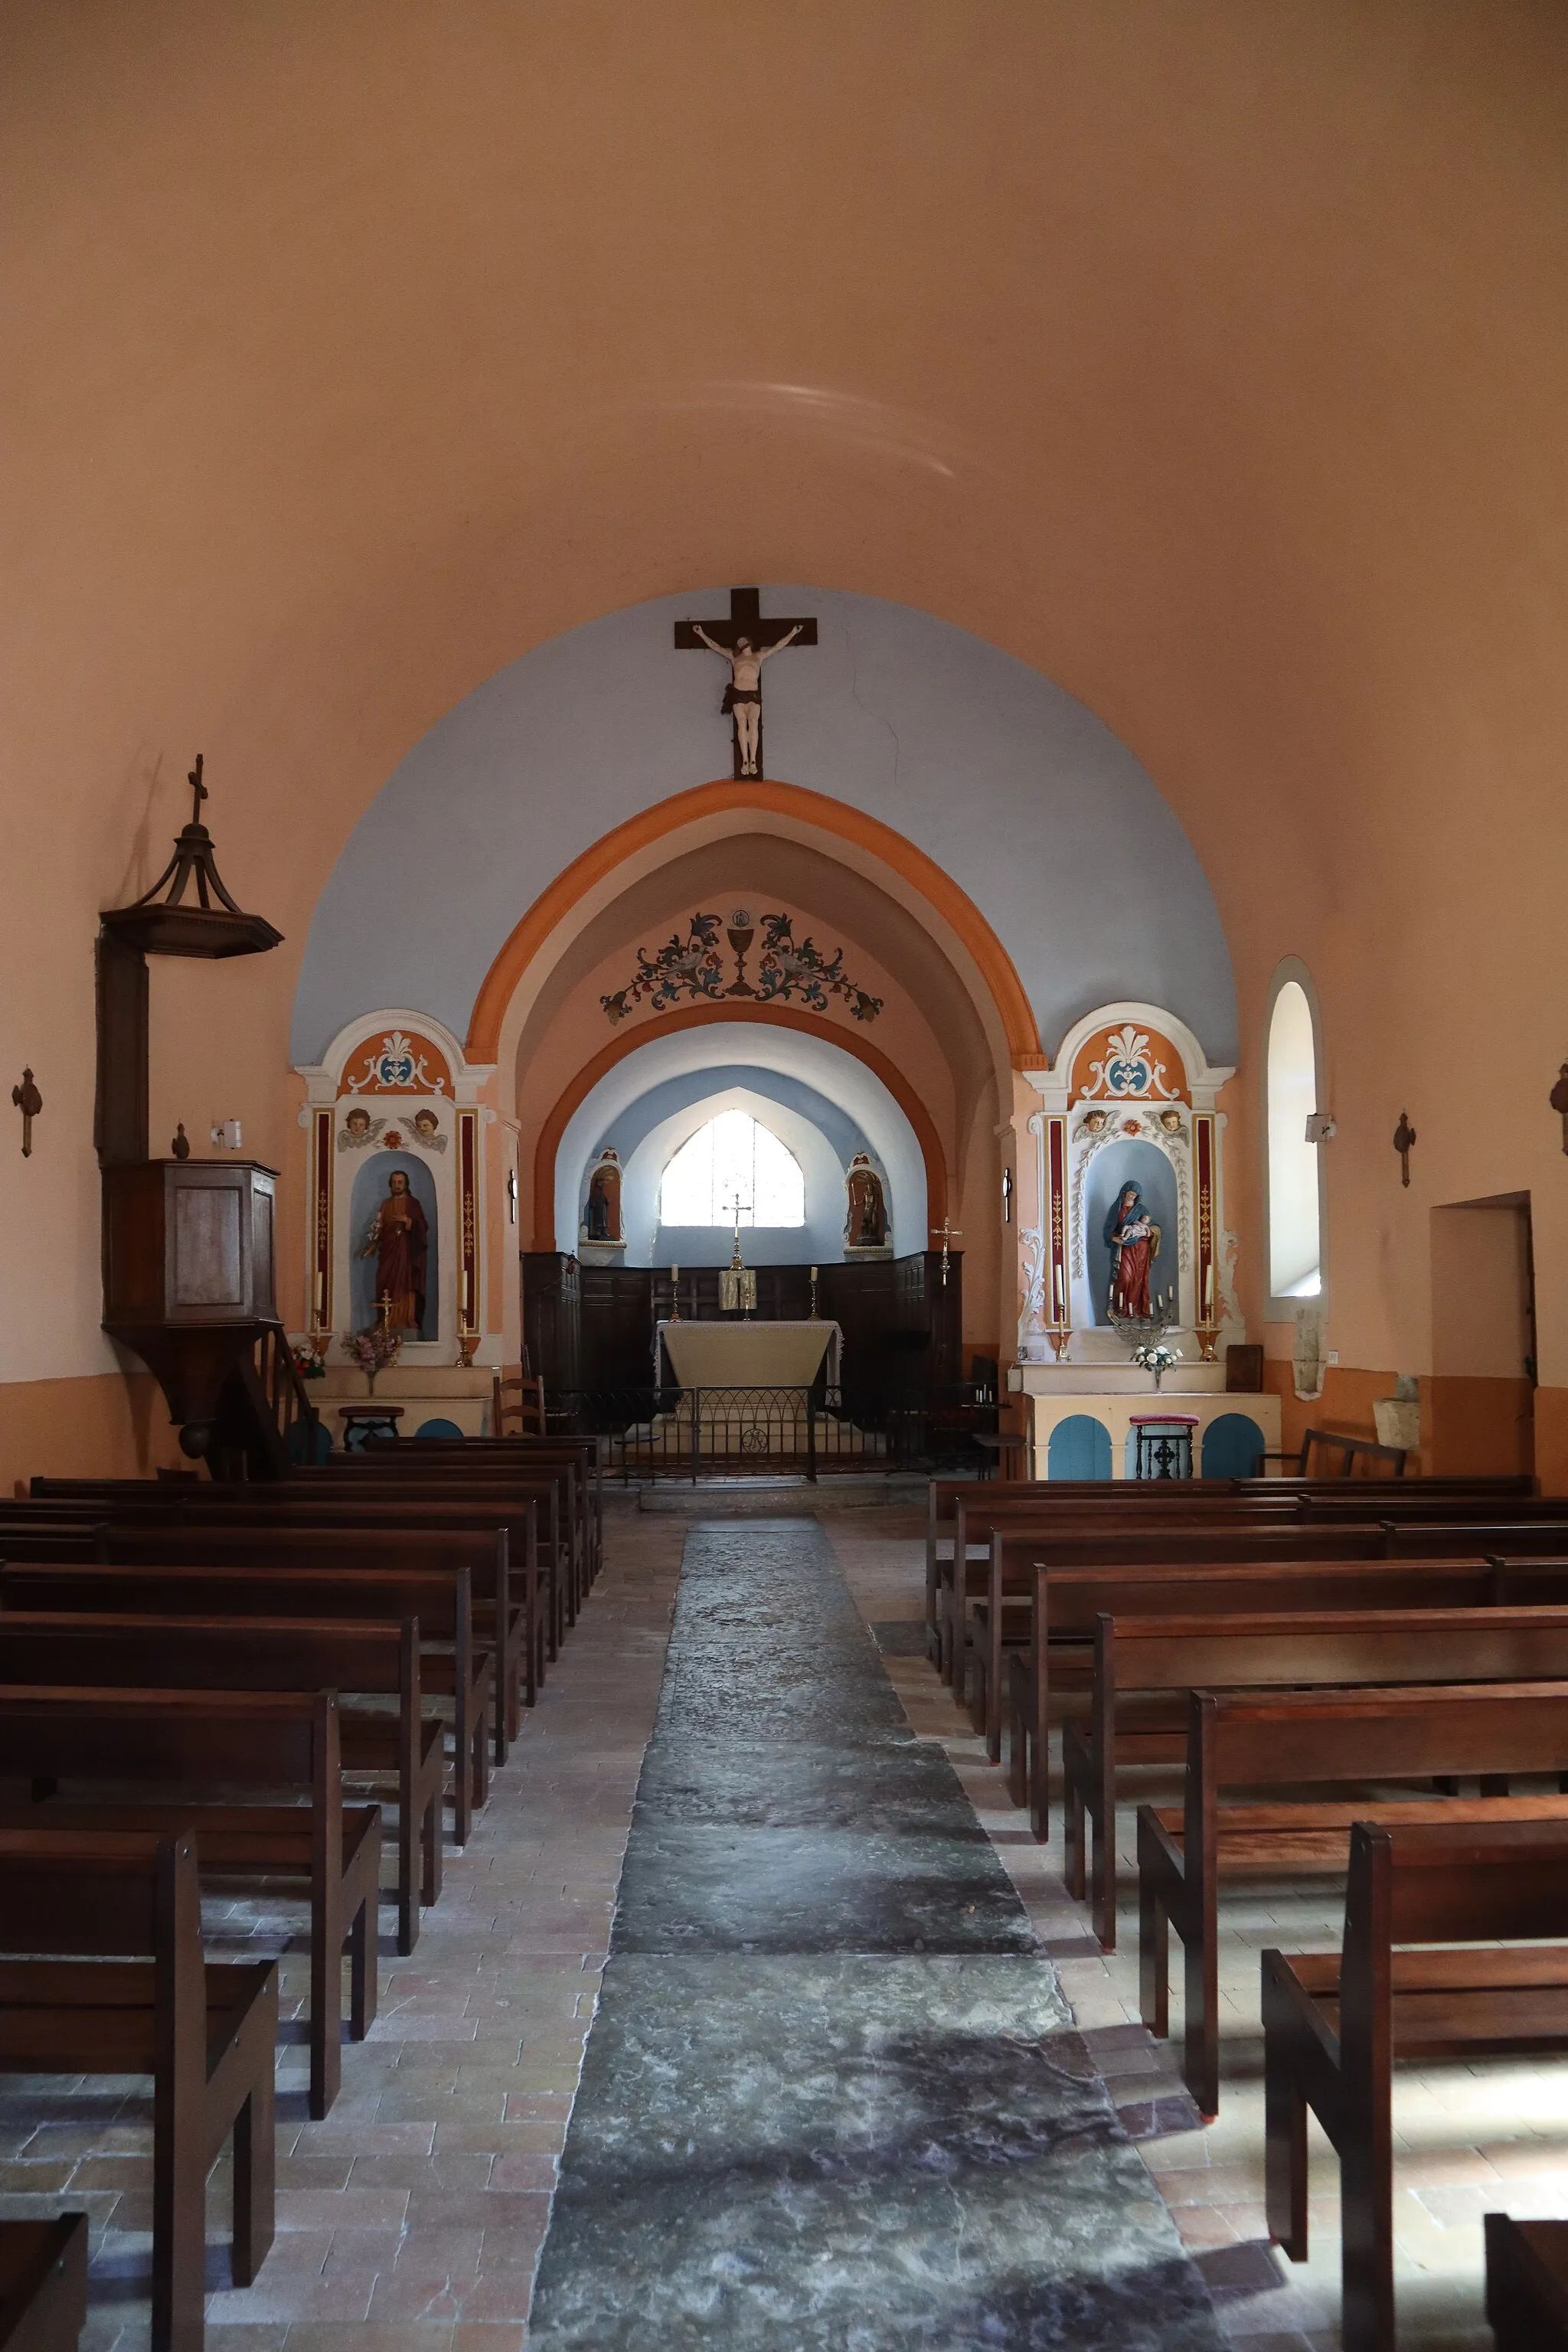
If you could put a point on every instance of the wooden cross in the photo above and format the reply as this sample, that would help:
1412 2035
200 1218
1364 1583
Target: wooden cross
29 1102
198 789
1403 1137
764 637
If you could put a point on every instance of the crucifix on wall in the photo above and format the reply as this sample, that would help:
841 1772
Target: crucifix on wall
745 641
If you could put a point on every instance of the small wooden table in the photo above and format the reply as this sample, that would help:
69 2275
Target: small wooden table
367 1424
996 1443
1165 1445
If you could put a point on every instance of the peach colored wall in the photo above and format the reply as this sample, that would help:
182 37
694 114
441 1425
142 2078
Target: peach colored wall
114 1427
352 353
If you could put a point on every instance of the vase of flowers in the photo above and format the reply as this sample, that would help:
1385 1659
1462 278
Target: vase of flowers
372 1350
309 1356
1156 1358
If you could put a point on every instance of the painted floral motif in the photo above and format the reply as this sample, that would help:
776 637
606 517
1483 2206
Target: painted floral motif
692 968
1128 1066
791 970
695 969
399 1065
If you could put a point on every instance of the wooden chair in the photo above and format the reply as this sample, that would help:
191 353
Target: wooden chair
205 2032
1527 2284
1335 2024
517 1406
238 1741
43 2284
1291 1738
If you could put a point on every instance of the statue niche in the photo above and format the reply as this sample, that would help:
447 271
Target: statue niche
394 1244
602 1229
867 1231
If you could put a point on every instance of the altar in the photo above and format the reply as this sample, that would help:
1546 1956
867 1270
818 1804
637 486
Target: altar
748 1355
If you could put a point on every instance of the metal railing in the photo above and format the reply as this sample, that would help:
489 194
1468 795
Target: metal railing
794 1432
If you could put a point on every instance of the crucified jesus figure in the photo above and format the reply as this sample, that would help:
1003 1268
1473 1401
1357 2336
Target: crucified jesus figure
744 694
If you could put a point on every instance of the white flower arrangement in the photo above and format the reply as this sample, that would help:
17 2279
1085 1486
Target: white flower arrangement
1156 1358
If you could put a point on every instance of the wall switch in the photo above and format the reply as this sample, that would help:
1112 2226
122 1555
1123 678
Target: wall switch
1332 1357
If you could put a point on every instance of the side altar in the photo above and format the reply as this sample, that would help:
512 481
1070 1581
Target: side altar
1122 1242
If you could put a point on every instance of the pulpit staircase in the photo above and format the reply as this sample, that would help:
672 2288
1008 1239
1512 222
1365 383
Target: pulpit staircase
265 1425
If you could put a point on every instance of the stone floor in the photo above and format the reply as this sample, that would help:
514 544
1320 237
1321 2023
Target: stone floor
410 2220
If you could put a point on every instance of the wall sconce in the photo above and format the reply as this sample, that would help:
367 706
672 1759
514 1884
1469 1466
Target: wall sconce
1322 1127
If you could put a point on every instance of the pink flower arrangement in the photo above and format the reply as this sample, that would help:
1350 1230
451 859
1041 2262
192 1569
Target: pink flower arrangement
372 1350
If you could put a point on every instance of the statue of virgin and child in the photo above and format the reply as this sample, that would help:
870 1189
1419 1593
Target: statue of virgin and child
1132 1237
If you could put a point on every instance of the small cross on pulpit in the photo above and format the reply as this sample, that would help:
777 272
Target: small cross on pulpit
745 641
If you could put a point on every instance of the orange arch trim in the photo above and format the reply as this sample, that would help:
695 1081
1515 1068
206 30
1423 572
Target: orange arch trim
868 832
699 1016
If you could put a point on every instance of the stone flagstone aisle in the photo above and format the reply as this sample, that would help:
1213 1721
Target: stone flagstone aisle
833 2097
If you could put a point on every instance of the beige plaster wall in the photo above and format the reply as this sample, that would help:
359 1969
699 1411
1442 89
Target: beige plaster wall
1211 360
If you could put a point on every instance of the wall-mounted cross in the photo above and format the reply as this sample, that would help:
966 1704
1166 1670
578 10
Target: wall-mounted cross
947 1232
745 641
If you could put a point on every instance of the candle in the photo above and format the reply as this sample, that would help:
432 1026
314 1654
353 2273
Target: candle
1056 1282
1208 1288
813 1273
675 1274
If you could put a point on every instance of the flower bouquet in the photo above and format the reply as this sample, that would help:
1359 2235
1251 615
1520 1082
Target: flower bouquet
1156 1358
372 1350
309 1361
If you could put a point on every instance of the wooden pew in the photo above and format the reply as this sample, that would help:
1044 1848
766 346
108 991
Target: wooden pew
43 2284
1335 2024
1069 1601
438 1600
274 1740
482 1457
1285 1739
1527 2284
271 1654
205 2032
1145 1667
1072 1543
382 1528
498 1621
380 1474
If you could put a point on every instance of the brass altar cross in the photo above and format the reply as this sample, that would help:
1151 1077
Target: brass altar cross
949 1231
743 703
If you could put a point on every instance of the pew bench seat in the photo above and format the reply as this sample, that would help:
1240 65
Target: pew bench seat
1527 2284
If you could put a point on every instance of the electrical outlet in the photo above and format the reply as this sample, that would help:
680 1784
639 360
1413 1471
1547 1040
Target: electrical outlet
1332 1357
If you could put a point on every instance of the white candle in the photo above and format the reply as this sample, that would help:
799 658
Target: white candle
1057 1280
675 1274
1209 1286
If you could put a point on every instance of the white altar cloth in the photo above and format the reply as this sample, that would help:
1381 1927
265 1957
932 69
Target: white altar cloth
748 1355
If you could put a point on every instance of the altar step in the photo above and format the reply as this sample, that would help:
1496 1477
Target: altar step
775 1497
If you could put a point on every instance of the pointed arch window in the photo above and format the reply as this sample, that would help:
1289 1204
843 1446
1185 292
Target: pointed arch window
733 1157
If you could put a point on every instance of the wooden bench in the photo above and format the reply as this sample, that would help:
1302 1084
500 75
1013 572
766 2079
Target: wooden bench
1145 1668
1527 2284
1068 1602
1292 1738
236 1740
43 2284
271 1653
501 1554
1335 2024
553 1490
147 2003
437 1600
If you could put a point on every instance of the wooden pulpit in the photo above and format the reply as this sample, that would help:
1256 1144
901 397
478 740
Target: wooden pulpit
188 1273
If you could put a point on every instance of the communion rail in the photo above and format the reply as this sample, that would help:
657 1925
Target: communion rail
804 1431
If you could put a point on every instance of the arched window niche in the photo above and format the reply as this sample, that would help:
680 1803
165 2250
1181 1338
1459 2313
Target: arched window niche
1292 1094
733 1157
